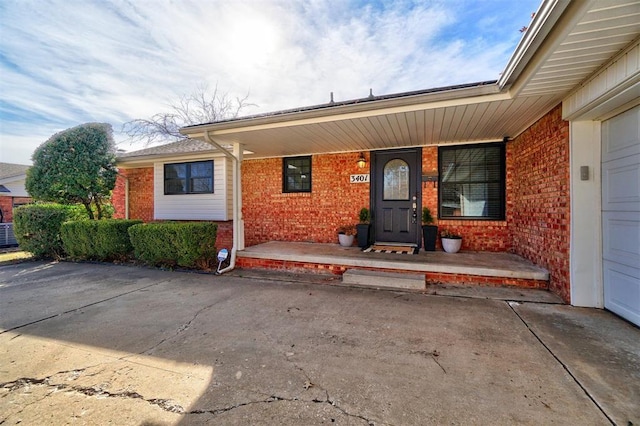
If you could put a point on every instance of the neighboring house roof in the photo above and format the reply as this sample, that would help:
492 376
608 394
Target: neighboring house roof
12 179
9 170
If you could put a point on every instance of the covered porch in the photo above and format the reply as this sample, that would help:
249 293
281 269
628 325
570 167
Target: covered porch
495 269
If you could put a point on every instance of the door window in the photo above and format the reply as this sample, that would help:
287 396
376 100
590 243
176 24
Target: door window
396 180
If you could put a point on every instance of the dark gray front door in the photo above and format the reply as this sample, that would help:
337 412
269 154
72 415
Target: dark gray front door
397 196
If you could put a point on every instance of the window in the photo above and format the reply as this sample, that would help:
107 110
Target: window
188 178
396 180
472 181
296 174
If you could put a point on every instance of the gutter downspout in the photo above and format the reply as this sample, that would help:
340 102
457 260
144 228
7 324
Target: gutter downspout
236 158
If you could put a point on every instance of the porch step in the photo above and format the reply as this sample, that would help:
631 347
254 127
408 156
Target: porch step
383 279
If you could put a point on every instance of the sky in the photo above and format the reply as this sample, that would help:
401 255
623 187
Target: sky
68 62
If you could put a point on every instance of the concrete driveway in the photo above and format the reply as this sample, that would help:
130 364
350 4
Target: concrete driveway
107 344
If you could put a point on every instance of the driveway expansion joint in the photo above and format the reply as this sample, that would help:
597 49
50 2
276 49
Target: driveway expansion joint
566 368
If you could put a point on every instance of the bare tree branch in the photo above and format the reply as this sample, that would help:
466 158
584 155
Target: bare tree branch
199 107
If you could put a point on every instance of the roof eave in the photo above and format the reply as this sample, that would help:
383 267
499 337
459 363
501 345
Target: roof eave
322 112
552 22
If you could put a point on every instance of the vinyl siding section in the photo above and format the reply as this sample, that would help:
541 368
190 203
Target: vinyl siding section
16 187
214 206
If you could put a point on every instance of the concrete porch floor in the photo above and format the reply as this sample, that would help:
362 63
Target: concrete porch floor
493 266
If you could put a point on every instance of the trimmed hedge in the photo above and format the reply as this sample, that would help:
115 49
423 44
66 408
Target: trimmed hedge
185 244
37 227
98 239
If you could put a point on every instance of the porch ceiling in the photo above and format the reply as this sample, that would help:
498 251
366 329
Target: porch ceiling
482 121
565 45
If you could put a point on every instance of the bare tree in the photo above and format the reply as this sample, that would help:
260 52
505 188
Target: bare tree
201 106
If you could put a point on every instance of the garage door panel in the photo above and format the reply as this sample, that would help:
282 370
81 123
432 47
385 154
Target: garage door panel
624 297
621 214
621 238
620 135
621 184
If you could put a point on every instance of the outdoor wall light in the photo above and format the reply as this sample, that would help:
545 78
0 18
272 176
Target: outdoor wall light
362 162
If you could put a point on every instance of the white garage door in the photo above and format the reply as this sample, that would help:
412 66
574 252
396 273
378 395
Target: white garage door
621 214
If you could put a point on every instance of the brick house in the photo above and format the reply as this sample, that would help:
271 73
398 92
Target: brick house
12 189
12 194
543 163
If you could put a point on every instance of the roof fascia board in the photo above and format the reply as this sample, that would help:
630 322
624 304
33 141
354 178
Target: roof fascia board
13 178
536 45
146 160
486 94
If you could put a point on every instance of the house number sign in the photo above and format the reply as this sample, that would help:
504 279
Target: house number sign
363 178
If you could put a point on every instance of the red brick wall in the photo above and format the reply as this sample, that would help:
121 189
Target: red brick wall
224 237
270 214
539 197
7 205
140 194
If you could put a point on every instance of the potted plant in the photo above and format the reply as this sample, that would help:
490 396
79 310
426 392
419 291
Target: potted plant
364 228
451 242
429 230
346 234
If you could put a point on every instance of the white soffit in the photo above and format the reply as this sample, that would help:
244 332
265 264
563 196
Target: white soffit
605 29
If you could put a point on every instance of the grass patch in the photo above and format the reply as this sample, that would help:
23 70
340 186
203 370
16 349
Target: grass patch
13 256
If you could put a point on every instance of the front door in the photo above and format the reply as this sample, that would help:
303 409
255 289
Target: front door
396 193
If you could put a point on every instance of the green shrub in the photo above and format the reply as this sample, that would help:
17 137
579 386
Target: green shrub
98 239
37 227
186 244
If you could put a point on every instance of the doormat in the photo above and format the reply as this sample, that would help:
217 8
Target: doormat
378 248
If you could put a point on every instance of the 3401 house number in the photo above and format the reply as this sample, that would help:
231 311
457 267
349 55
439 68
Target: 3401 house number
364 178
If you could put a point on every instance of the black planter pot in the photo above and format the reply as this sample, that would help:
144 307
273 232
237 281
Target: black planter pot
363 234
429 235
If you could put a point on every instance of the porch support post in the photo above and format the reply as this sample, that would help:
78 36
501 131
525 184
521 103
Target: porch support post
238 222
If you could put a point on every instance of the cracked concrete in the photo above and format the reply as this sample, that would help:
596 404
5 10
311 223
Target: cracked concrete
96 344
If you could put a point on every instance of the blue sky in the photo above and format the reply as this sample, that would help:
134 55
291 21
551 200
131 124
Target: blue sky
67 62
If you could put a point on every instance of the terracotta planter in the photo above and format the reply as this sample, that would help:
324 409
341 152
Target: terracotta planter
346 240
451 245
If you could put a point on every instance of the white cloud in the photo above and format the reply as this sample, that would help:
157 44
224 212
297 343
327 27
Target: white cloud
66 62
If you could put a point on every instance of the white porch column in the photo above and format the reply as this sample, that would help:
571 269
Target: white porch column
237 195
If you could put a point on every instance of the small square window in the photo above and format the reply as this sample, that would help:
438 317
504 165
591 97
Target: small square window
296 174
188 178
